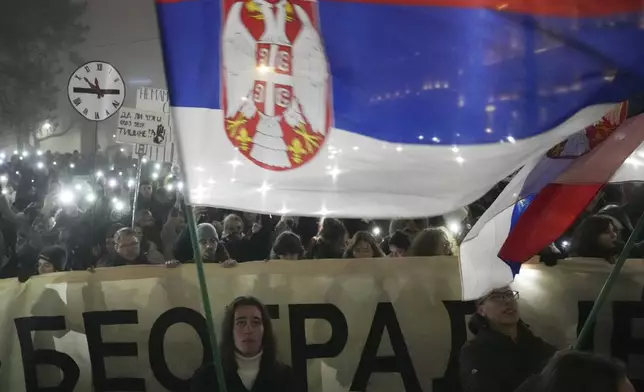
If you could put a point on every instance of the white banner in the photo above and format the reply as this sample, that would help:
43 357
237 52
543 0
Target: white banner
141 328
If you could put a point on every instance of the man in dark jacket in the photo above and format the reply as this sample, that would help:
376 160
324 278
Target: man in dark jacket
128 249
504 352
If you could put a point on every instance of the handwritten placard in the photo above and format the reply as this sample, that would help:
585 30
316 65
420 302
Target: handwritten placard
142 127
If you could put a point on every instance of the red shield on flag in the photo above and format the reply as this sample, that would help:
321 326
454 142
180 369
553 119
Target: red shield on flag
276 102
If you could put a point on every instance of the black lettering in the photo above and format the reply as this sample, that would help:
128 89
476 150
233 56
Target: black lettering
31 358
301 351
85 111
157 353
99 66
77 101
98 350
87 68
457 310
623 344
116 104
583 311
97 116
117 80
107 112
78 77
400 362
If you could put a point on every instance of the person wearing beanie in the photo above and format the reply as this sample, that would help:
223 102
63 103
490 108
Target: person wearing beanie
51 259
504 352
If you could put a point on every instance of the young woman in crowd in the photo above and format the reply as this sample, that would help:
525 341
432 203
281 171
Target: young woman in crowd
504 352
597 236
330 242
287 247
363 245
399 244
432 242
248 353
577 371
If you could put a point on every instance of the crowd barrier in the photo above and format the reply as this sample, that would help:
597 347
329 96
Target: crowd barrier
344 325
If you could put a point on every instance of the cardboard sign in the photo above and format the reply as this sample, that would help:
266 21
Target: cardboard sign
142 127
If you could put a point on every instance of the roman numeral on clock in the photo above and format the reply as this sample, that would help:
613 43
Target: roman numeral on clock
78 77
107 112
99 67
97 116
116 104
77 101
117 80
85 111
87 68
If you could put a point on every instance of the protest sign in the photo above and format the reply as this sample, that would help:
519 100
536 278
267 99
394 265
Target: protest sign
141 127
344 325
157 100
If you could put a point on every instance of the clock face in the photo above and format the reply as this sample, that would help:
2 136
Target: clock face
96 90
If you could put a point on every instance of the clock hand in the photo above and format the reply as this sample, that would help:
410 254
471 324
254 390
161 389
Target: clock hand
100 92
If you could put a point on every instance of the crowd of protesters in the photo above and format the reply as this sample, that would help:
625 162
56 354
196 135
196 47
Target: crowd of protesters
72 212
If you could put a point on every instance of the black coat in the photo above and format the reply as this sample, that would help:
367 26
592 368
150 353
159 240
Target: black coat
492 362
277 379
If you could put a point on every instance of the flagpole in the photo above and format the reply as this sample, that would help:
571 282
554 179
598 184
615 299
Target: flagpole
608 285
205 299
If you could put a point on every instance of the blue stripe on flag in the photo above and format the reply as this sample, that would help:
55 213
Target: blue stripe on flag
434 75
519 209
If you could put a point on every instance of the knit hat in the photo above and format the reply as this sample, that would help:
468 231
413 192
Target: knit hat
56 255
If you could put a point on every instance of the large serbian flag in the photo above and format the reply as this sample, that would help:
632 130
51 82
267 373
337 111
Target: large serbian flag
374 108
548 194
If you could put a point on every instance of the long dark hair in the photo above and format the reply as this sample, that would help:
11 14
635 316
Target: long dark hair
584 240
576 371
227 346
363 236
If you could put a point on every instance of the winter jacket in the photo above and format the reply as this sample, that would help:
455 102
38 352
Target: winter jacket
492 362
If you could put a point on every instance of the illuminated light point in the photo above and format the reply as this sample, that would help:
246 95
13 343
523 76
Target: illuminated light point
39 153
490 108
78 187
180 185
119 206
421 137
2 155
323 211
120 173
90 197
54 163
155 175
157 166
455 149
511 139
144 160
264 188
15 152
131 182
488 130
122 150
169 187
334 172
25 153
40 165
460 160
114 136
99 174
283 211
355 148
4 178
72 165
264 69
399 148
66 197
235 162
376 231
233 179
454 227
435 139
112 183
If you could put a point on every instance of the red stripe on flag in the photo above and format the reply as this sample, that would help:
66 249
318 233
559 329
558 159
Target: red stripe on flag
560 8
551 212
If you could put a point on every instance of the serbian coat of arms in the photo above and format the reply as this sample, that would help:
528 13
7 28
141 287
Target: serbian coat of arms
585 140
276 85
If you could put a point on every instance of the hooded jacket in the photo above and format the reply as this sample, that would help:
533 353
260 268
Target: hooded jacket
493 362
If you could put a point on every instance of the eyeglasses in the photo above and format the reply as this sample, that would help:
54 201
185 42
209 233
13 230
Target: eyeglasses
502 296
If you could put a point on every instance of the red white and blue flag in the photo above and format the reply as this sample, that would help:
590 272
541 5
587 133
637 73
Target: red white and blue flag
374 108
548 194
